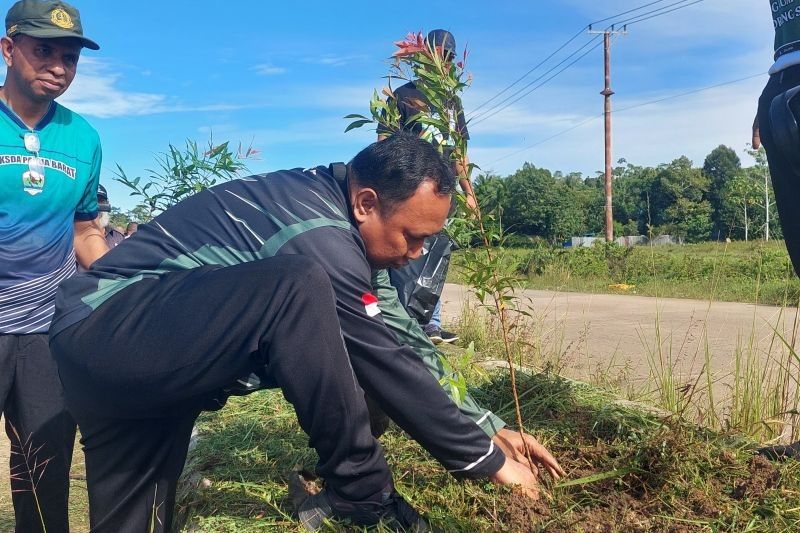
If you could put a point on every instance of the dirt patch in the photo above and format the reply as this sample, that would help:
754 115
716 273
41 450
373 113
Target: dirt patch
703 504
763 477
585 460
521 512
617 511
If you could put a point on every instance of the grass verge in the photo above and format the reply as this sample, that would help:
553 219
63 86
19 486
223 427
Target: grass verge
627 470
751 272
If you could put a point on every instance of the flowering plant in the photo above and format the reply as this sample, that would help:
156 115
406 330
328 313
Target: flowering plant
440 80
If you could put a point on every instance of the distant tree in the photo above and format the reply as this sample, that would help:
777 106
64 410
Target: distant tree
529 206
765 203
739 197
140 214
491 192
632 185
118 218
678 201
568 210
721 166
690 220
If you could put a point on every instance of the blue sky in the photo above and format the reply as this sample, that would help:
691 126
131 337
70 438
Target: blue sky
283 74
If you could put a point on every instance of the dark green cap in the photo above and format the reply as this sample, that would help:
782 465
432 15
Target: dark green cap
46 19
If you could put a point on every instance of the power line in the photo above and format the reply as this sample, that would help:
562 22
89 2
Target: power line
500 107
542 62
476 115
578 34
559 134
510 100
621 110
626 12
687 93
664 12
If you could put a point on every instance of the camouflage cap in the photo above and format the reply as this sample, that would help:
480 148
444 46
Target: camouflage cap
46 19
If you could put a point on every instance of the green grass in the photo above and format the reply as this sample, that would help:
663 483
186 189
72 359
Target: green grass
628 470
753 272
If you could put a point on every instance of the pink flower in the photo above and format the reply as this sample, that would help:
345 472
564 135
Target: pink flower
413 43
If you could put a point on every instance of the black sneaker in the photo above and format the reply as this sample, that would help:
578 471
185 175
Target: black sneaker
438 335
393 511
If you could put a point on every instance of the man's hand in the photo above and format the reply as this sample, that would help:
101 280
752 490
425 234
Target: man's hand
514 473
513 445
756 142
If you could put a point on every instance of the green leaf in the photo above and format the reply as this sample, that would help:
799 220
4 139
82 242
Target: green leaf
357 124
596 477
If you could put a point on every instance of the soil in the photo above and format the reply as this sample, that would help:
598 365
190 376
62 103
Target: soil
703 504
763 477
521 512
630 504
618 510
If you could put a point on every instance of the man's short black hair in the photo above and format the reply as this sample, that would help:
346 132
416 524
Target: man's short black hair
398 165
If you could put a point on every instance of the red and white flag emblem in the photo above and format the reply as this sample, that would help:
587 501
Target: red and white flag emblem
370 304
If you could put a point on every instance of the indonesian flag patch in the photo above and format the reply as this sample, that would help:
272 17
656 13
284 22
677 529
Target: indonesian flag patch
370 304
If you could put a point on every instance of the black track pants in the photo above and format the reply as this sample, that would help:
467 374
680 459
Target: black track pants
41 431
785 180
138 370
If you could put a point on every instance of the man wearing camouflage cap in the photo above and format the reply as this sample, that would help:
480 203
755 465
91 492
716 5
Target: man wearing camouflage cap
49 170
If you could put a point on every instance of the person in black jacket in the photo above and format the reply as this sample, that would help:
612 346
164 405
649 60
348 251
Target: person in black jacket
265 282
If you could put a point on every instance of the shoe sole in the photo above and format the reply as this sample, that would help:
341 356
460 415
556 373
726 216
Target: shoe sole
439 340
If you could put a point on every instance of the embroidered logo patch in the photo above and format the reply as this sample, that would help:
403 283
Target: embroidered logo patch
61 18
370 304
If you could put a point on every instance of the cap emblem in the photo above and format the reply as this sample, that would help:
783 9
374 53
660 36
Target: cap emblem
61 18
12 30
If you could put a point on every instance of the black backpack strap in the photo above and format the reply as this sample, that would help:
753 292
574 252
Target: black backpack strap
339 172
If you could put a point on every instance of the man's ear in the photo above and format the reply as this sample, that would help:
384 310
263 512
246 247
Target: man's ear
365 204
7 46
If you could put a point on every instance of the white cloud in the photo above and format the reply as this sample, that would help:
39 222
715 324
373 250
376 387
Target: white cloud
266 69
692 125
95 92
336 60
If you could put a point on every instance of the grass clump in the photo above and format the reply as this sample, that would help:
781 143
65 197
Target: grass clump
627 469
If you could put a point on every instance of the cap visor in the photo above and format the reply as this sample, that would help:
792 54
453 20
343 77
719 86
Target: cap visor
52 33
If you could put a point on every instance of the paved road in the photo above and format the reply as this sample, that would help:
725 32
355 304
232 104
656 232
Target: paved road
601 331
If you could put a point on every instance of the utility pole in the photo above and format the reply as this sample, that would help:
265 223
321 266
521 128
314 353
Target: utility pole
607 92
